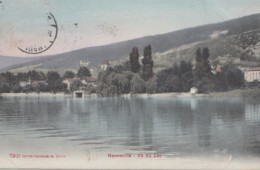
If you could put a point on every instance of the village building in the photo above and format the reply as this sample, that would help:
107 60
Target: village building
216 69
69 82
89 81
84 82
105 65
83 63
25 83
39 83
218 34
252 74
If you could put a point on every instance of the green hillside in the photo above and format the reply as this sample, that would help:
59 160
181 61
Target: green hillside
223 50
167 48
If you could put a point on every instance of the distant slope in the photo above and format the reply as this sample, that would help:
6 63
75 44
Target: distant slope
6 61
159 43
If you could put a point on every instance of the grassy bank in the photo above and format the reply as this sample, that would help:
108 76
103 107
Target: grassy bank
237 93
232 93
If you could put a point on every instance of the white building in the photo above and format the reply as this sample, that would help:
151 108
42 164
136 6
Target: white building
217 34
89 81
105 65
193 90
252 74
83 63
25 83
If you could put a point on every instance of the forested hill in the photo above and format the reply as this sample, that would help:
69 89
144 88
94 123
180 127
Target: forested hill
159 43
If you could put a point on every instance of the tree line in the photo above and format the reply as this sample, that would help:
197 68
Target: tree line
133 77
49 82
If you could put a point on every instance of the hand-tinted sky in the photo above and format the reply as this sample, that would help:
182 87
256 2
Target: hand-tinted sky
84 23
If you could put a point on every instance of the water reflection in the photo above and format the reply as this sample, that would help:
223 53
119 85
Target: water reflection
253 140
252 135
173 126
202 120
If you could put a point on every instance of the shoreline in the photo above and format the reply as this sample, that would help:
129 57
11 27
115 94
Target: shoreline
231 93
34 94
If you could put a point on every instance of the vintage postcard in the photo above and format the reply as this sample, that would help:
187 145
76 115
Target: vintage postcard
130 84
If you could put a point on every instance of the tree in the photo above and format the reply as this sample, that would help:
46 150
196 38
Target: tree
185 67
202 67
152 85
124 81
10 79
83 72
173 84
2 83
16 88
34 75
138 85
134 60
185 75
41 87
54 81
205 85
202 73
168 82
113 81
187 80
75 85
27 89
22 77
175 69
125 66
68 74
147 63
178 78
233 76
4 88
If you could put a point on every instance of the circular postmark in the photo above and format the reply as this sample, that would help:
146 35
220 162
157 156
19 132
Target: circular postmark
2 7
41 38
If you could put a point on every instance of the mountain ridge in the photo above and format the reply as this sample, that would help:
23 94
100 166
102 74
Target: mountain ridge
160 43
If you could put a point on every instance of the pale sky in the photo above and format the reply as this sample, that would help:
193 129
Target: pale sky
85 23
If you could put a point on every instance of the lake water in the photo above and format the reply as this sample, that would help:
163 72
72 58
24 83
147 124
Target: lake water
170 126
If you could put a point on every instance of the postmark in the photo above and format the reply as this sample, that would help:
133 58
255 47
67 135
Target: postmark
2 7
46 38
